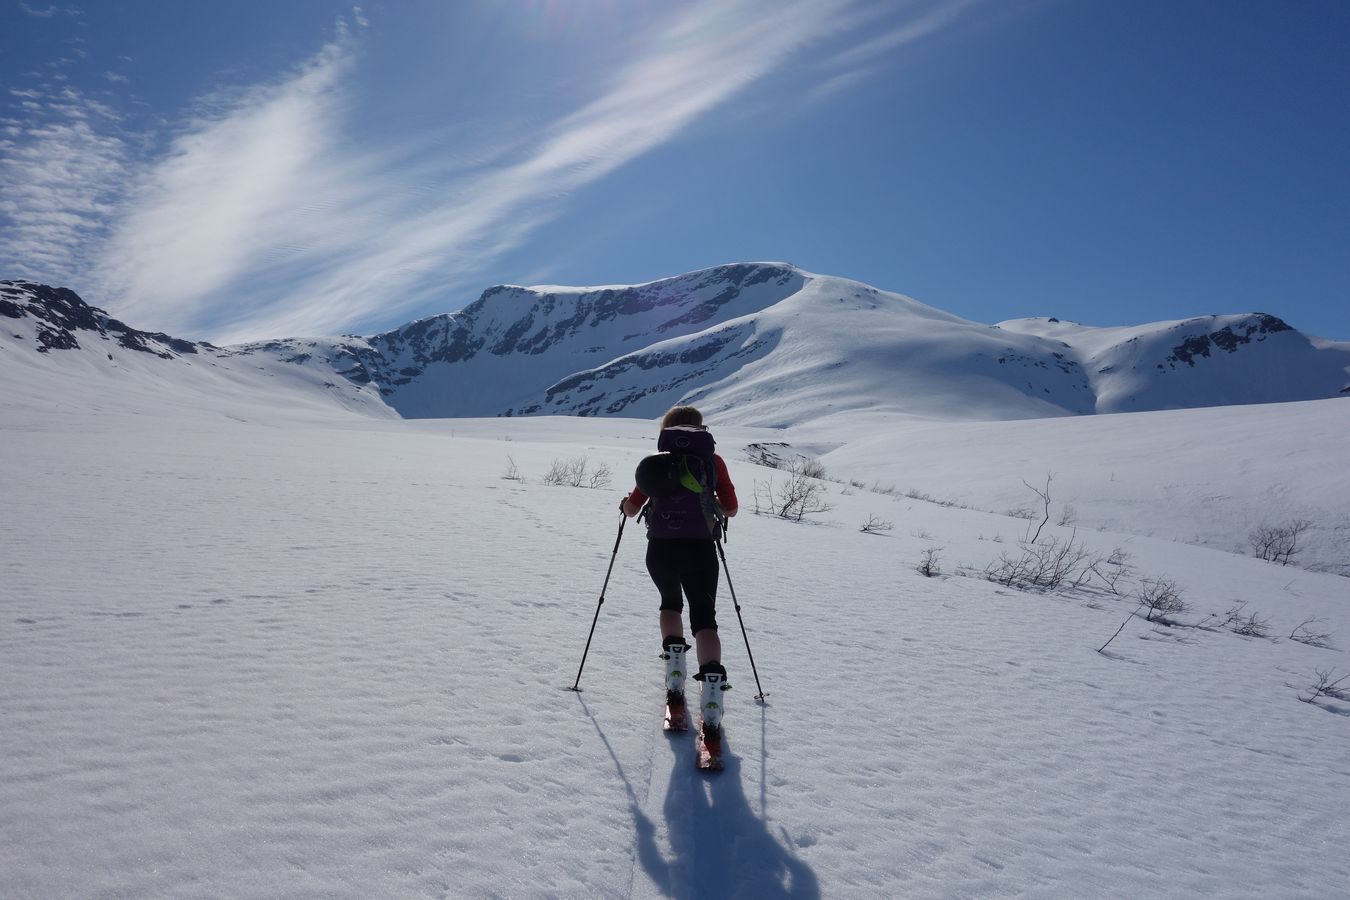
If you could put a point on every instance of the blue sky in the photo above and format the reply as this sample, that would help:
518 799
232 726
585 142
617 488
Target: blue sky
263 169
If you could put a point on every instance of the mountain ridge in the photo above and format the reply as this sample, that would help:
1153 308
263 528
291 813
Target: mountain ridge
768 343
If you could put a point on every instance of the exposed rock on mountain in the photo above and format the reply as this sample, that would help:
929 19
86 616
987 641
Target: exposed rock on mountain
60 316
761 343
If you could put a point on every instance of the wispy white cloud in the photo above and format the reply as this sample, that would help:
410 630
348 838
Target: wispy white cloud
62 167
238 190
264 221
268 216
864 59
697 61
49 12
38 13
929 21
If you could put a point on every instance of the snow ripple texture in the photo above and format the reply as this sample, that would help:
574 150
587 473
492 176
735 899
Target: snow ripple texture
270 658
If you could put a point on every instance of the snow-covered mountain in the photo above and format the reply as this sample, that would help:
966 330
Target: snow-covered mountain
59 353
1207 361
773 343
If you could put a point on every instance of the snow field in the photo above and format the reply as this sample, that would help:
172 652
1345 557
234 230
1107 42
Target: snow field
1202 476
328 659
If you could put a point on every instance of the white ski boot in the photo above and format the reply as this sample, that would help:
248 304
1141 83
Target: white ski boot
675 653
714 678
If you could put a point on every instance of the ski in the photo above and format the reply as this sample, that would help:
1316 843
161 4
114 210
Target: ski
677 717
710 753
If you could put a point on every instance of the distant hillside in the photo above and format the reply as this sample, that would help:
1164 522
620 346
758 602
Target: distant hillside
761 343
1207 361
59 353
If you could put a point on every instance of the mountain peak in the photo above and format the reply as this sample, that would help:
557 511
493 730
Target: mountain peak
761 343
59 317
746 273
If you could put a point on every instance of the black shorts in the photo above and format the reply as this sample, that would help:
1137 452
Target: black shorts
686 567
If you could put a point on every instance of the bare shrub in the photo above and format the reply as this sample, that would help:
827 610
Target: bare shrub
1010 570
512 472
1247 625
599 477
1162 598
558 472
810 468
1112 570
1067 516
1278 543
1252 626
1310 632
1046 566
930 563
576 472
1326 687
1044 495
799 496
923 496
1132 614
875 524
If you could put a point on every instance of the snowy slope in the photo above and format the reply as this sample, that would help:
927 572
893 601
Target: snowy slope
882 388
59 353
1203 476
831 345
326 657
778 345
1209 361
768 343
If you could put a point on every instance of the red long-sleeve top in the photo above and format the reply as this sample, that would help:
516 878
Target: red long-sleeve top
724 493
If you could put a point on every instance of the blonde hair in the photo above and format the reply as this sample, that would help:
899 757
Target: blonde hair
682 415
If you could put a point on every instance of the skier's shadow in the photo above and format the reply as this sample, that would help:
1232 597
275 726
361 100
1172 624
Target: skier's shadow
719 847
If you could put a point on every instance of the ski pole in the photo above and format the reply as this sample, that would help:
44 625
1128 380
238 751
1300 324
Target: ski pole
577 686
720 552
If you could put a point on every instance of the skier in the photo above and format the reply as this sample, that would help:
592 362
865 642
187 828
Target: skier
682 559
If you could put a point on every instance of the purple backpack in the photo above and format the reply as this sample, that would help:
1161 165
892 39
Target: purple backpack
680 481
